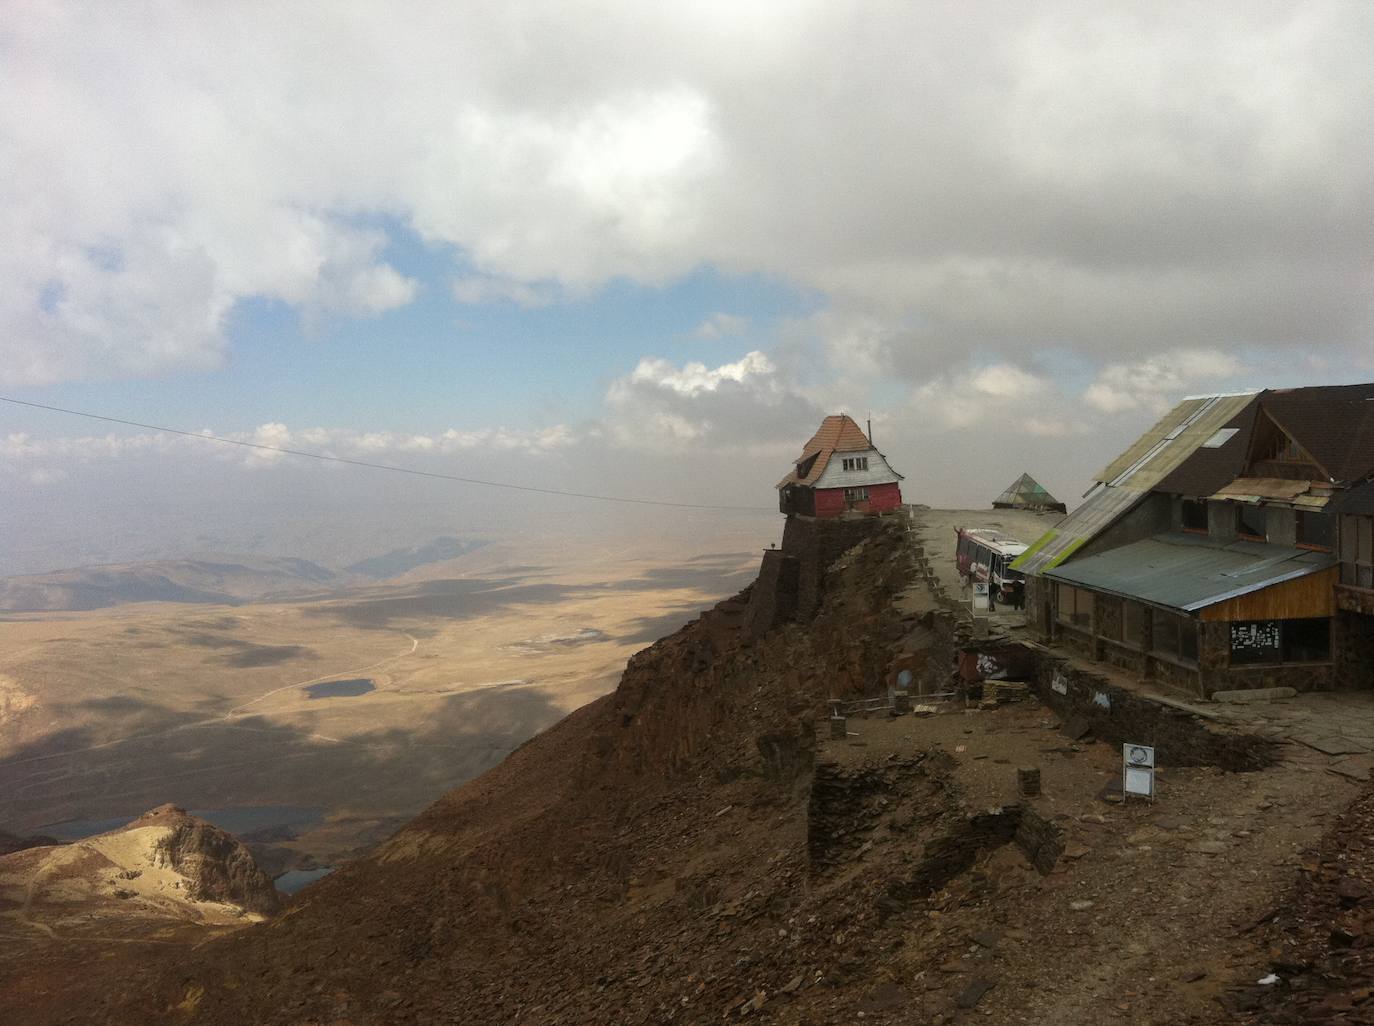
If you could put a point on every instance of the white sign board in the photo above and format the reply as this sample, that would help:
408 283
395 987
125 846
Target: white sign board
1138 770
980 595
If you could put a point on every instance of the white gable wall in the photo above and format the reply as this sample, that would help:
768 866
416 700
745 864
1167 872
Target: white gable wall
878 471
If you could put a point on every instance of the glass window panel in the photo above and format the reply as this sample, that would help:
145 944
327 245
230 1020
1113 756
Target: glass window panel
1306 641
1165 632
1187 639
1314 528
1255 641
1133 624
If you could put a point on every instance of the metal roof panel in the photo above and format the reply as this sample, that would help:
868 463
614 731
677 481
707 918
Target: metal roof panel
1189 572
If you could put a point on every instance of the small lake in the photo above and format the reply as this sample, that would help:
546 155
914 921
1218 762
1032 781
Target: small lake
292 881
340 688
239 820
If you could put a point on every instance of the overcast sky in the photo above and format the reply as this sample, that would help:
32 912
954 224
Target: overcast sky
643 248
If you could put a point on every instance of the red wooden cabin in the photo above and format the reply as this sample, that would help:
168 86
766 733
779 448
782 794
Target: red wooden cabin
839 471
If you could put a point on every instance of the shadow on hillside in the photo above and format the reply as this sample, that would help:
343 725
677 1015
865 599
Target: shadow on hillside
171 757
648 629
446 600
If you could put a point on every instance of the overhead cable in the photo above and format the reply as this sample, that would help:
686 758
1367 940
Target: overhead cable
391 467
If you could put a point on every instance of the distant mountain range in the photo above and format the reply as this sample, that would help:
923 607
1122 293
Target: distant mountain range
399 561
179 580
231 581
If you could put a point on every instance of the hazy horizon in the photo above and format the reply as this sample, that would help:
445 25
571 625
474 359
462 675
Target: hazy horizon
634 251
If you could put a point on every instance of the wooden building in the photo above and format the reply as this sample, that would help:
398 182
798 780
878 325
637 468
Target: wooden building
839 471
1231 547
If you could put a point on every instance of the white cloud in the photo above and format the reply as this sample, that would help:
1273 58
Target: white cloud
1110 181
1157 383
992 395
746 405
43 460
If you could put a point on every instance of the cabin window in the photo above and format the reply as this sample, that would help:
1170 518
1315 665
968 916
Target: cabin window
1307 640
856 495
854 462
1195 515
1284 450
1357 551
1251 524
1133 624
1075 605
1280 641
1109 617
1173 636
1314 529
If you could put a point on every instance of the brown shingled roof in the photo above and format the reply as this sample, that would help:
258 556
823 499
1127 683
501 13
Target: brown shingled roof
1334 423
837 433
1207 471
1338 434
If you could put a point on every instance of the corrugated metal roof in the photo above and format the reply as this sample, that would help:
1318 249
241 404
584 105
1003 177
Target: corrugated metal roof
1100 510
1171 441
1133 474
1189 572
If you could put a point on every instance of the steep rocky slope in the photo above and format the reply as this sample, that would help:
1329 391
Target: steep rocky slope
686 850
70 912
607 871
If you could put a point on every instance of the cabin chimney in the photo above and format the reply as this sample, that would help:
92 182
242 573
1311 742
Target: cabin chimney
870 430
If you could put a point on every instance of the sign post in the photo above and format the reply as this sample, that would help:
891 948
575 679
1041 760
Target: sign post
1137 771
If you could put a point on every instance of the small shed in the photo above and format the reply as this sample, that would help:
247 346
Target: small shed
1028 493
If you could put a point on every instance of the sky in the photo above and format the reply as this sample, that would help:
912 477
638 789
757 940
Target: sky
641 249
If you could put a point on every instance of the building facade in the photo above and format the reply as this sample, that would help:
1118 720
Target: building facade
1226 549
839 471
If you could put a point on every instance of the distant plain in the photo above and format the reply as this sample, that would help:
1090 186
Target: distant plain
106 713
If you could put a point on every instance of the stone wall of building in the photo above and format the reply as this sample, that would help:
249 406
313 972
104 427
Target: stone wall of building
1039 606
1106 616
1354 642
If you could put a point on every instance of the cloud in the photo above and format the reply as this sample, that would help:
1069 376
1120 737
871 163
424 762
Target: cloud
42 460
722 325
1157 383
1109 182
992 395
747 405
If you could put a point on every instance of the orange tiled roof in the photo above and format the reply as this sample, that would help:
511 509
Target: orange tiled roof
837 433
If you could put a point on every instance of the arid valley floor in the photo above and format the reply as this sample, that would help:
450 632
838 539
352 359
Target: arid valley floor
107 713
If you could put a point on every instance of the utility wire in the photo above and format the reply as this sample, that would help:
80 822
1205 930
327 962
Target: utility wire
324 457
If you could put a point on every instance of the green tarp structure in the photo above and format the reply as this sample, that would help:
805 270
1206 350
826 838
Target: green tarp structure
1027 493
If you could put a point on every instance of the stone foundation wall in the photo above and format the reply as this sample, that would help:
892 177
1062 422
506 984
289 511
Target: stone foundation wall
1116 715
1040 606
773 600
816 543
1180 678
791 581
